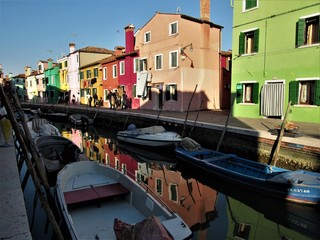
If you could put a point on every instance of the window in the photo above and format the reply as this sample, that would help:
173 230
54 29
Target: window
52 80
149 92
122 68
173 59
65 63
136 65
81 75
249 42
147 37
308 31
124 168
173 192
305 92
159 186
247 92
249 4
173 28
88 73
105 95
158 60
143 65
104 73
95 72
171 92
114 71
134 91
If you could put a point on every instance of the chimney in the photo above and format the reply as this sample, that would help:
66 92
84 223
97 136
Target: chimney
129 38
205 10
27 71
72 47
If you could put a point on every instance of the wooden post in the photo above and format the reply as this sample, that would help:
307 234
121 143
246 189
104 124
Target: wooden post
185 121
194 123
279 138
37 182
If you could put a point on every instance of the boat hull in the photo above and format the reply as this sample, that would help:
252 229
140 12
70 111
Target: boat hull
295 186
95 219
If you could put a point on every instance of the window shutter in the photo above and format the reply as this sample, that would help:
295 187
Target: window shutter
239 92
317 95
241 43
300 32
134 91
255 93
251 4
167 93
256 40
293 92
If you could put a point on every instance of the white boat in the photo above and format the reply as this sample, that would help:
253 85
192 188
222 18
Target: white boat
80 119
155 136
42 127
96 200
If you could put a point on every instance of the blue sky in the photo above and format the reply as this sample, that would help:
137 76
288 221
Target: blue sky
33 30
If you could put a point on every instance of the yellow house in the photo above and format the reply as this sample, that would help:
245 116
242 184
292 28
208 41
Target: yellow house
91 82
63 74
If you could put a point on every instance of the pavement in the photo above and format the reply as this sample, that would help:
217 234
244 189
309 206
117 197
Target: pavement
13 216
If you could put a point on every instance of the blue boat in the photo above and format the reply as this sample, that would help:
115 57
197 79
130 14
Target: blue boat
298 186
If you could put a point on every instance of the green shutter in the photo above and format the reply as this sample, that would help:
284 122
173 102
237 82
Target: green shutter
241 43
255 93
239 91
256 41
293 92
134 91
317 94
167 92
300 32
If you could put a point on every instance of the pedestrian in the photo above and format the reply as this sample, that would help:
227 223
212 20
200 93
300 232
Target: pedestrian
73 99
89 100
95 99
124 100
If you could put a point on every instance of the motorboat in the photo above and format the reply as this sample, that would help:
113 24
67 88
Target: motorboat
56 152
154 136
299 186
100 202
80 119
42 127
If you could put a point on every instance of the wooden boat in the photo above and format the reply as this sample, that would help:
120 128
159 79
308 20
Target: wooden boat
155 136
96 200
80 119
56 152
298 186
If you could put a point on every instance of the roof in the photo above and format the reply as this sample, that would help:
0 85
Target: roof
193 19
135 52
91 49
101 61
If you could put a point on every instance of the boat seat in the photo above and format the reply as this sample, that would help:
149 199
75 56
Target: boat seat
94 194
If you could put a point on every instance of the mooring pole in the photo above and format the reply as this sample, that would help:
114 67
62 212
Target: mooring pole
185 121
195 121
159 114
279 138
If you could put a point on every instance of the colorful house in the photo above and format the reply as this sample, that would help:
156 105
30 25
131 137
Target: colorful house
52 83
63 76
179 61
80 58
18 83
31 84
276 59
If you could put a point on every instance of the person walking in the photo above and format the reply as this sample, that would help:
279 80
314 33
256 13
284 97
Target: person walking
6 128
89 100
124 100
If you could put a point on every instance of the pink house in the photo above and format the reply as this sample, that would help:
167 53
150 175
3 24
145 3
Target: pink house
179 57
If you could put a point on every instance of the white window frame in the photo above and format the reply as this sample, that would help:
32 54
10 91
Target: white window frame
250 9
146 36
114 71
170 28
161 61
171 59
144 65
122 68
105 73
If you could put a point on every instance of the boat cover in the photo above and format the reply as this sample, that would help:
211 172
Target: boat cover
189 144
148 229
148 130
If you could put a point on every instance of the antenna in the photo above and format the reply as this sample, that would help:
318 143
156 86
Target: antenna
178 9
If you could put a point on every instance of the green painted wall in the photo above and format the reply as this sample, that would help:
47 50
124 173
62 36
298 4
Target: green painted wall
53 71
277 58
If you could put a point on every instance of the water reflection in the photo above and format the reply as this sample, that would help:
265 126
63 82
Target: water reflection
212 208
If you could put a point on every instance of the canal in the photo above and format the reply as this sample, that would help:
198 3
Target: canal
212 208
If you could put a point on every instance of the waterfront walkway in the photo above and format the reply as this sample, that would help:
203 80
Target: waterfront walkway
13 216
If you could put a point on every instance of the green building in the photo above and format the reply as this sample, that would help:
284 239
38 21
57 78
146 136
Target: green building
276 59
52 82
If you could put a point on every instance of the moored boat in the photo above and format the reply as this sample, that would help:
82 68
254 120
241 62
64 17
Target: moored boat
298 186
154 136
100 202
80 119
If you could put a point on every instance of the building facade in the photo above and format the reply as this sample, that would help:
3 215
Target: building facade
178 56
276 59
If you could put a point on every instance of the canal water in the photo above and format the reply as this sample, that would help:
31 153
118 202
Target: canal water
211 207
